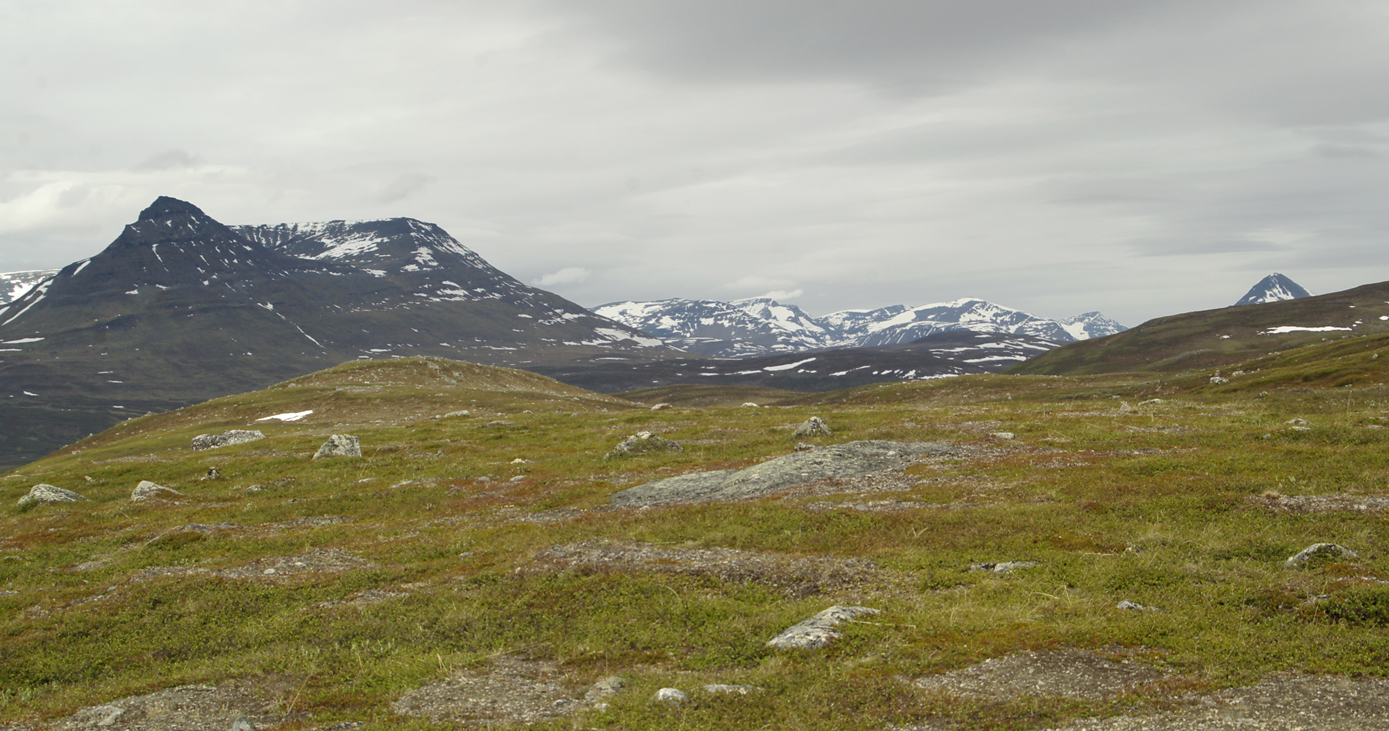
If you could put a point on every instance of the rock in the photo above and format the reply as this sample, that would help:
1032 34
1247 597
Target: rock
1004 567
739 689
1129 606
1002 435
641 443
851 459
110 715
803 447
340 445
1298 422
241 724
598 695
453 414
1124 407
520 460
819 630
225 439
813 427
750 404
147 490
212 474
670 695
43 493
660 407
1300 428
1318 554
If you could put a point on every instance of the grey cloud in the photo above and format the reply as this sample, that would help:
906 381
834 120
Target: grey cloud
402 186
174 159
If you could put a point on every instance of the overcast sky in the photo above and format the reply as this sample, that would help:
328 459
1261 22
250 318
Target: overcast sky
1137 158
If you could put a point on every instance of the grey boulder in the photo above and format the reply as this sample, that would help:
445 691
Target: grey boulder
641 443
147 490
43 493
819 630
225 439
1318 554
340 445
813 427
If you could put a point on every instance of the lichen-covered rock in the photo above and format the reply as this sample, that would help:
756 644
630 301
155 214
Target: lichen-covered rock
340 445
851 459
1318 554
1003 567
44 493
598 695
670 695
225 439
641 443
147 490
813 427
819 630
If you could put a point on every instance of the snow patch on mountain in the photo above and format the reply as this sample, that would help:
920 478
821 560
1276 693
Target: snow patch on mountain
14 285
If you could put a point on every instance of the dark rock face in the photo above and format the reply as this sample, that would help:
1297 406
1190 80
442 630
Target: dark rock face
1273 288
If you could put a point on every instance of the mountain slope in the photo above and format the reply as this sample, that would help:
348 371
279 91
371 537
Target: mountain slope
180 308
1273 288
1214 338
13 285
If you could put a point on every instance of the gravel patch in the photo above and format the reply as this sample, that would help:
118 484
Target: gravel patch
795 576
1068 673
185 708
1322 503
509 691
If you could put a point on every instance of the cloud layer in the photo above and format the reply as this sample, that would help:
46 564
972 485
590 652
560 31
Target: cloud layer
1133 157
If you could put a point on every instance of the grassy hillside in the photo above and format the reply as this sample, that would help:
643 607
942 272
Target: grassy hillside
477 554
1216 338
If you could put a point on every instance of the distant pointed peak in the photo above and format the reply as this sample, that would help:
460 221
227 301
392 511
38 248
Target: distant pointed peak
166 207
1273 288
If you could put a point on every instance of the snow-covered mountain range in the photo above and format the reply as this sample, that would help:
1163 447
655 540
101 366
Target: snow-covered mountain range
761 326
13 285
1273 288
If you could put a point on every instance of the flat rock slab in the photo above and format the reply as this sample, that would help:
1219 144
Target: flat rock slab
796 576
851 459
225 439
1281 703
45 493
1066 673
270 568
819 630
510 691
185 708
1323 503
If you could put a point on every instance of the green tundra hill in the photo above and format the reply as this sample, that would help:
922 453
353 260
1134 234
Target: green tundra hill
1074 551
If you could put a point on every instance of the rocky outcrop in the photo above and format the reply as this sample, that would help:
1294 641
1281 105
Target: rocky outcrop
1318 554
641 443
147 490
813 427
340 445
838 461
819 630
43 493
225 439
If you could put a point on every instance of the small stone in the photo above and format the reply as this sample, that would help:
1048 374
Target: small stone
147 490
813 427
721 688
1300 428
750 404
340 445
519 460
1129 606
1125 408
1003 567
242 724
453 414
1298 422
113 714
268 572
44 493
605 688
1318 554
225 439
660 407
1003 435
517 478
670 695
803 447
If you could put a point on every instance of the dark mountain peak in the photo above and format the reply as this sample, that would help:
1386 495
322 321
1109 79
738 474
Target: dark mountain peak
166 207
1273 288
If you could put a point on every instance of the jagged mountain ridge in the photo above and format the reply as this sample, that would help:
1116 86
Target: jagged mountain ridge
760 326
181 308
1273 288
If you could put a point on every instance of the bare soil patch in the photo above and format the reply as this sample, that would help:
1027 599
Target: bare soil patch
1285 702
1067 673
795 576
509 691
270 568
185 708
1322 503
